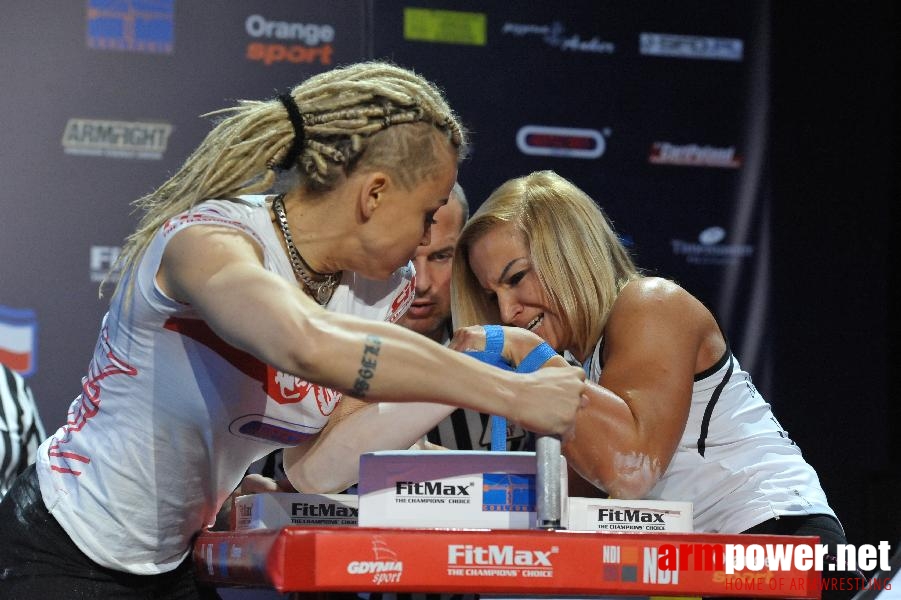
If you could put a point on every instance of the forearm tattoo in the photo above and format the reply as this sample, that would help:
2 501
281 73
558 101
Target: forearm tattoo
368 363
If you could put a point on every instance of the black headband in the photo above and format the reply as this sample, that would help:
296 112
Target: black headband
296 119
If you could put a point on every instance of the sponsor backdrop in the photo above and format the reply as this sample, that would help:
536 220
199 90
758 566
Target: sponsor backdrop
661 118
104 106
665 130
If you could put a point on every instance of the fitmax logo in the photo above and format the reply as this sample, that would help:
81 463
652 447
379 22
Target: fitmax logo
629 516
303 509
493 555
431 488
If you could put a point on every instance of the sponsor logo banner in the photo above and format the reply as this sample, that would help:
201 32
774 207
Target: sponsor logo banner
445 26
508 492
693 155
708 250
116 139
522 563
496 560
131 25
567 142
556 36
385 566
620 563
18 339
691 46
441 491
288 42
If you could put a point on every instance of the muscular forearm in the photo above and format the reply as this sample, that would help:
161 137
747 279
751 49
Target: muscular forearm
370 360
331 464
374 360
378 361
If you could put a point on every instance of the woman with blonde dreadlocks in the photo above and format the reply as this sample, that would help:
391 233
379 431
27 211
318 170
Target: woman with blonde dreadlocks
238 322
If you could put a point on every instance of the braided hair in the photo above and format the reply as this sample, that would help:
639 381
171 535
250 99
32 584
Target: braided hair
349 117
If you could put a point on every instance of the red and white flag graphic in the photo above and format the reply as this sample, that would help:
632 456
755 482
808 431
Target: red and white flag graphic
18 339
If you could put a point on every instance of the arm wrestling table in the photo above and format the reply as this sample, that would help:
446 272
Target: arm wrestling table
522 562
529 562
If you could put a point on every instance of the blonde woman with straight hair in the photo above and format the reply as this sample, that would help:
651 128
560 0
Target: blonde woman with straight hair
240 319
674 416
556 220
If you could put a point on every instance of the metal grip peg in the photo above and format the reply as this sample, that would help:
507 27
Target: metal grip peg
547 482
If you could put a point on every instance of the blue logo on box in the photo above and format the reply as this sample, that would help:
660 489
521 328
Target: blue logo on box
132 25
508 492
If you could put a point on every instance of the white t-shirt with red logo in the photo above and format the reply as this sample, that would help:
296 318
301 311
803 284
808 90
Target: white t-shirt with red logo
170 416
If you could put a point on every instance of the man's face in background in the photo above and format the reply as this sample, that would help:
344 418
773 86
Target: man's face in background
430 311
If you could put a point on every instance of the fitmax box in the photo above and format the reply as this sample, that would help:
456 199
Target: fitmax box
468 489
273 510
629 516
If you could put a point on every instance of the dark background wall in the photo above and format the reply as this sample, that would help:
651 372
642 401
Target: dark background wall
834 166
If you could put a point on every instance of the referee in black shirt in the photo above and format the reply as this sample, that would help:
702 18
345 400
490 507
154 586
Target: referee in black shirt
430 315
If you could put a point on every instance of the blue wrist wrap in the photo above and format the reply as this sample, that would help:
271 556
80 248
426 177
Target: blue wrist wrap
494 339
535 359
493 355
498 434
494 346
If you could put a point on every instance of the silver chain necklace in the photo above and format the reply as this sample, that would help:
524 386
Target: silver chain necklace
320 289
